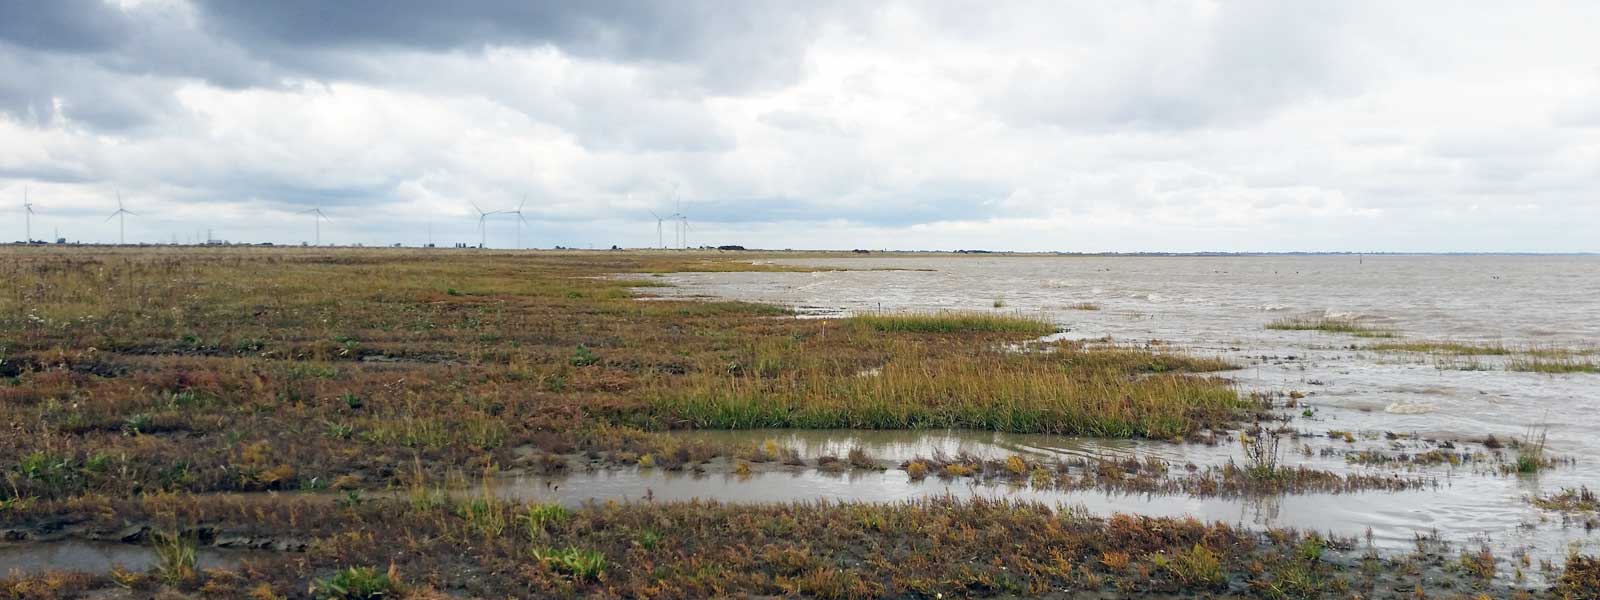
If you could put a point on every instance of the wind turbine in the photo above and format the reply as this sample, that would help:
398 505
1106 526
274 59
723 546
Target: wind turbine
683 226
520 220
122 220
659 240
483 235
27 214
680 221
318 219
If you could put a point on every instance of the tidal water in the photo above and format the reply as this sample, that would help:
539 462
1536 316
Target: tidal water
1220 306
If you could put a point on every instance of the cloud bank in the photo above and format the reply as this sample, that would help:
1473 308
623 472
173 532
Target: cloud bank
1166 126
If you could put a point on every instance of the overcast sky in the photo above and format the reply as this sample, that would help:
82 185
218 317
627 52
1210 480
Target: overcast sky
1093 126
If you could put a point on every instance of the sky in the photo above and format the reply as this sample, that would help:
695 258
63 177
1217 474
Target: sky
1029 126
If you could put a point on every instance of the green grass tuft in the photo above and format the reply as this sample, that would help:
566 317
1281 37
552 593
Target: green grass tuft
356 583
955 322
580 564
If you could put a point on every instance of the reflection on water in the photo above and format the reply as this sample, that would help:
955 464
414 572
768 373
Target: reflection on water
1465 505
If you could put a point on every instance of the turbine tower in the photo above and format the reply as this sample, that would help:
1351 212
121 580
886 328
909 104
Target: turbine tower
27 215
318 219
483 235
680 221
520 220
122 220
683 229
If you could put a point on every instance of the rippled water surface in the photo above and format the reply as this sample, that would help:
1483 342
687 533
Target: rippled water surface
1220 306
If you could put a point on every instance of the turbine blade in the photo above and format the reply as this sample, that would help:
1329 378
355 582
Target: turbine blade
113 216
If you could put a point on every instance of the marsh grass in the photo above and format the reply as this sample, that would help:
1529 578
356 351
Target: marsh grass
1463 356
709 549
1128 474
1579 500
280 369
579 563
175 557
997 393
1198 566
954 322
1580 579
1482 349
247 370
357 583
1261 449
1530 452
1553 366
1332 325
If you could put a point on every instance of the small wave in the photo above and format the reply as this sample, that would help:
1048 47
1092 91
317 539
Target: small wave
1410 408
1273 307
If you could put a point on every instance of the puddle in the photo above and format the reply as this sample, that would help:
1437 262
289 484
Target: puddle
1489 510
100 557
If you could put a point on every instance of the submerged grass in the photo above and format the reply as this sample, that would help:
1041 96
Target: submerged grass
1554 366
1482 349
955 322
1463 356
1579 499
1331 325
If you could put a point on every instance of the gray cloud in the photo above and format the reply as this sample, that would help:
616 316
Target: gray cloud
63 25
731 46
910 124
